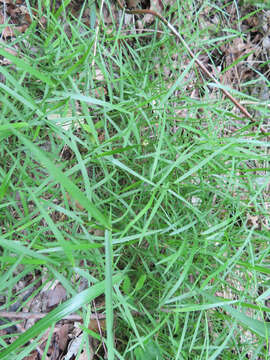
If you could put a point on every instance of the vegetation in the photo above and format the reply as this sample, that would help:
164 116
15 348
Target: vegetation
122 167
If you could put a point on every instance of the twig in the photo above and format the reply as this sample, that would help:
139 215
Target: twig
72 317
37 316
100 331
198 62
97 31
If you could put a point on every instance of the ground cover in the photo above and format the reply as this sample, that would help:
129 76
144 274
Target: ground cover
134 195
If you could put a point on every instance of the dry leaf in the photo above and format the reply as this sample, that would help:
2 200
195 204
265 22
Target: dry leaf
84 355
74 346
6 61
56 295
11 31
133 4
94 325
63 336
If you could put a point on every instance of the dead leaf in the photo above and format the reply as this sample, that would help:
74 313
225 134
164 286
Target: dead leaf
63 336
6 61
11 31
84 355
73 348
56 295
70 201
133 4
253 220
95 325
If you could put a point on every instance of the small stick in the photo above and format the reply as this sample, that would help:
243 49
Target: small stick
198 62
37 316
100 331
96 36
72 317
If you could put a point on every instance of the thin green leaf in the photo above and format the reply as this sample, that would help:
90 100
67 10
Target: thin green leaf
108 294
94 101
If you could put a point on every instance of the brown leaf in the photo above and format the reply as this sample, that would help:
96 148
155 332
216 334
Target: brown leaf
84 355
56 295
10 31
7 32
94 325
63 336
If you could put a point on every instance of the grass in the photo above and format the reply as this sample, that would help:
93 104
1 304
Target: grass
113 173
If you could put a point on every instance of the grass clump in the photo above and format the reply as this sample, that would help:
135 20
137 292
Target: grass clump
123 169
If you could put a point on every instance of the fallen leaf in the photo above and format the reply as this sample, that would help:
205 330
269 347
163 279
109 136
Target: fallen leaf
95 325
63 336
84 355
11 31
74 346
56 295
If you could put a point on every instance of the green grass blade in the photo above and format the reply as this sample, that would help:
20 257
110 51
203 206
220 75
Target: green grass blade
108 294
94 101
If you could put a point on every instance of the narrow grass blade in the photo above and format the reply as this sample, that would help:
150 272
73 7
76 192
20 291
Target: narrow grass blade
182 277
94 101
200 307
177 83
6 179
141 213
20 98
223 345
58 235
61 8
259 327
108 294
179 351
